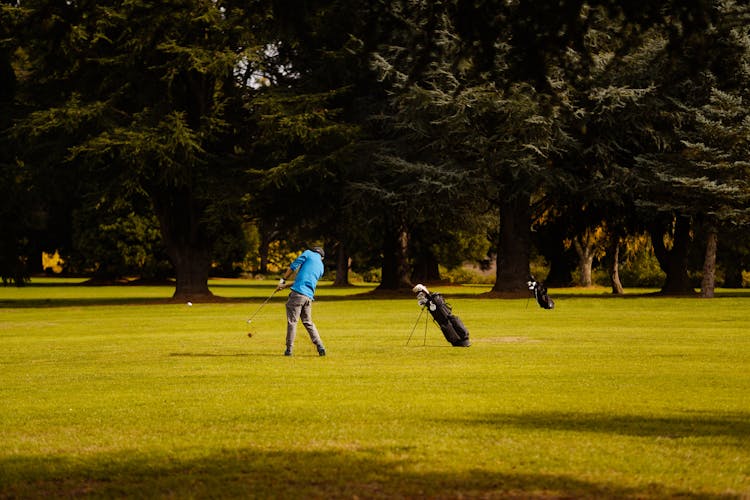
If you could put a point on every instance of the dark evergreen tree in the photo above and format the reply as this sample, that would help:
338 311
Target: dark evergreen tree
116 238
314 95
35 201
695 171
471 102
638 83
13 180
145 95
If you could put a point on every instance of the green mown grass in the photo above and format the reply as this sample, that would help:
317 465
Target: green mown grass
117 391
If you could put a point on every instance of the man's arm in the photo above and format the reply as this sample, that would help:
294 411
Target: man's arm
282 281
292 269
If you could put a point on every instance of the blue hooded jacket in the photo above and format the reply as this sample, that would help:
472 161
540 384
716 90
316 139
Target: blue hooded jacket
309 267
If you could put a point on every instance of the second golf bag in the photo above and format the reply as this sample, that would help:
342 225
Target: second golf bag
540 293
452 327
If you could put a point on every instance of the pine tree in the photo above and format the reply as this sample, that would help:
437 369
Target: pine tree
473 109
695 171
143 96
638 85
314 109
13 201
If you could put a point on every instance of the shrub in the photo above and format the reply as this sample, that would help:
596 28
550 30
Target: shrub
641 269
464 275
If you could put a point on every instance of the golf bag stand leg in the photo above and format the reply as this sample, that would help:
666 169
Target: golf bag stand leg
415 326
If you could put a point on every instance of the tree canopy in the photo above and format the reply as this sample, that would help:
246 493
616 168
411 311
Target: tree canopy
395 132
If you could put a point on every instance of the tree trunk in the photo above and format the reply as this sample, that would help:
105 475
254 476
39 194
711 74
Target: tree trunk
426 268
192 267
709 264
614 268
550 242
674 261
342 265
186 243
560 267
268 232
513 246
395 270
585 261
263 251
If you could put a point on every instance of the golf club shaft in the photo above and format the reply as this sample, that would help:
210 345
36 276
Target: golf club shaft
263 304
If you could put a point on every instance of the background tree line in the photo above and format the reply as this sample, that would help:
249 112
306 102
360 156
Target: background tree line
149 136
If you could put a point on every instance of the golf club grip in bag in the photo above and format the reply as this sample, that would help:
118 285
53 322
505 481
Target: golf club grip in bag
452 327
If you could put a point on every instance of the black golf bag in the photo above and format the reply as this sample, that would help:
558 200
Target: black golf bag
452 327
539 291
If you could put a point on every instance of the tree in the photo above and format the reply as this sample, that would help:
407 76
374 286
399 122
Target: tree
606 76
550 233
35 206
637 80
114 239
314 107
147 93
14 197
733 254
698 168
473 108
589 245
723 126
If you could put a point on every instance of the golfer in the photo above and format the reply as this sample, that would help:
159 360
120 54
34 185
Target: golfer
309 269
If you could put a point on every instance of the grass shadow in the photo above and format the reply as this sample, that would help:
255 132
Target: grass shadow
255 473
81 302
733 426
312 354
257 292
207 355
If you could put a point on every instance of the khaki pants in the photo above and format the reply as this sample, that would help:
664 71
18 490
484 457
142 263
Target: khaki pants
299 307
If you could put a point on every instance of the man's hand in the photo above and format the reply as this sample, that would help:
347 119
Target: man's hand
281 285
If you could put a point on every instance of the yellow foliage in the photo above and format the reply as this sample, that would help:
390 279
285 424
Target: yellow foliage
280 255
634 244
52 261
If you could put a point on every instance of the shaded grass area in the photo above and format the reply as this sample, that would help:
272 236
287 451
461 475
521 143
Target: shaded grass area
263 474
637 398
52 292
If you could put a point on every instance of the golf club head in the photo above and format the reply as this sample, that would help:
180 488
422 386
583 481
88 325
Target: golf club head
420 288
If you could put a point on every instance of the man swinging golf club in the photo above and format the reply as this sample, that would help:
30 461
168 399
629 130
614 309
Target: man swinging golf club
309 269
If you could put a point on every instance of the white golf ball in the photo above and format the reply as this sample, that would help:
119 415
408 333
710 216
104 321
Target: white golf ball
189 303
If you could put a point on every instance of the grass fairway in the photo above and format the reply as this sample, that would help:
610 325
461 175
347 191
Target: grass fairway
114 391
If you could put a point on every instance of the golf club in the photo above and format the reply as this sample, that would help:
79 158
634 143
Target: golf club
250 334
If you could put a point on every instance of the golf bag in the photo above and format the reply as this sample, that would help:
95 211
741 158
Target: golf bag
539 291
452 327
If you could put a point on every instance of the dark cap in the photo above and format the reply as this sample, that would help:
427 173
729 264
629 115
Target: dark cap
320 251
